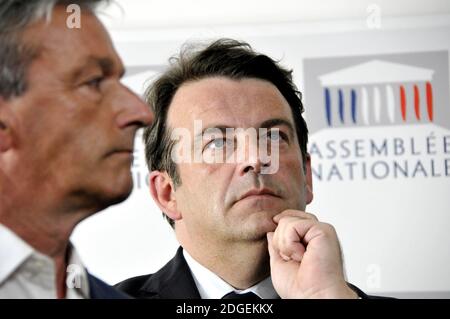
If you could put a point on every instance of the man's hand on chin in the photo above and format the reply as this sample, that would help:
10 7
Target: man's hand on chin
305 258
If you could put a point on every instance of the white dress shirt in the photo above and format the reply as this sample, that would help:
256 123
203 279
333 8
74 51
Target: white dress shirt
27 273
211 286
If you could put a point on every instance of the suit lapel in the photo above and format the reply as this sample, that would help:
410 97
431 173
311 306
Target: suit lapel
173 281
101 290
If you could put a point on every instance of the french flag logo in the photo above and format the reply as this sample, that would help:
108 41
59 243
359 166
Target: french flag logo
377 92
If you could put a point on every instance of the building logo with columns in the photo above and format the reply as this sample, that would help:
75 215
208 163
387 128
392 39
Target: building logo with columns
364 84
380 115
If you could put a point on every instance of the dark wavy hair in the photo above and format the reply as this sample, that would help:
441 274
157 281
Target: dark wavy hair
224 57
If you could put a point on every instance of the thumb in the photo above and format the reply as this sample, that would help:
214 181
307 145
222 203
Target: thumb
274 256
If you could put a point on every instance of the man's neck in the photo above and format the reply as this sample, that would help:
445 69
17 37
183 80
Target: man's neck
47 231
241 265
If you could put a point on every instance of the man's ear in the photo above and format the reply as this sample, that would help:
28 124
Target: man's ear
6 140
163 193
308 177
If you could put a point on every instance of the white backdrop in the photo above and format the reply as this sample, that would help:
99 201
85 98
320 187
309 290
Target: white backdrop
394 232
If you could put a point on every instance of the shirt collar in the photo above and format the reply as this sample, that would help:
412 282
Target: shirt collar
16 254
13 252
211 286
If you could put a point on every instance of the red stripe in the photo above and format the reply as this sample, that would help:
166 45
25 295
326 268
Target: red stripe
430 101
416 102
403 102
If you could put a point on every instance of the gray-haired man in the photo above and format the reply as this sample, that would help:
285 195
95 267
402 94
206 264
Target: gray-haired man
67 128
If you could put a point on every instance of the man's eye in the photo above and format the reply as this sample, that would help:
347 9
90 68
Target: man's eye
217 143
95 82
274 136
277 136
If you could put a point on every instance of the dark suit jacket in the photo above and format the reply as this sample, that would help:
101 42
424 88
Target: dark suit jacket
174 281
101 290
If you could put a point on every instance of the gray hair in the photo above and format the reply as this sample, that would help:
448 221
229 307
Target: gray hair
15 54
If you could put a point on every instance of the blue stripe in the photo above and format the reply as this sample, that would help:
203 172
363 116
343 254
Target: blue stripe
354 106
328 106
341 106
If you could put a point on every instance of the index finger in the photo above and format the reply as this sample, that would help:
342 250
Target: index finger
294 213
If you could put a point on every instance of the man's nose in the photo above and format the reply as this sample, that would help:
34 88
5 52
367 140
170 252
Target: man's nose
135 111
251 160
250 167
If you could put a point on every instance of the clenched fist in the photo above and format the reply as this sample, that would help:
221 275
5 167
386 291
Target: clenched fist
305 258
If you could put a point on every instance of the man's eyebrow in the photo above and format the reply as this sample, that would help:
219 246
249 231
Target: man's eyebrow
266 124
106 64
277 122
221 128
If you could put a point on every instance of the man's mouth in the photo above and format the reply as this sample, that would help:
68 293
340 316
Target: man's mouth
258 193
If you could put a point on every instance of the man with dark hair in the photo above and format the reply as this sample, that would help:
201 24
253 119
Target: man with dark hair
67 128
239 214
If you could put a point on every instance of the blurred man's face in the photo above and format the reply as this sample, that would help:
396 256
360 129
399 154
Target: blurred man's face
75 124
214 197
